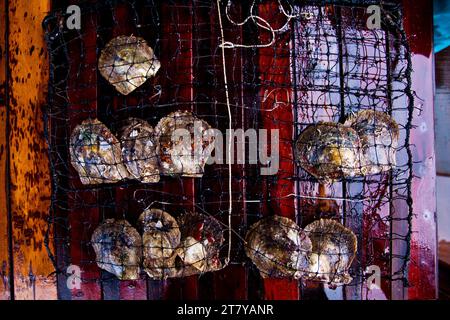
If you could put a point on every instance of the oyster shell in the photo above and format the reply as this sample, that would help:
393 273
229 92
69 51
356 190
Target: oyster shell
178 153
333 250
278 247
202 241
379 135
193 253
95 154
139 150
127 62
118 247
161 236
329 151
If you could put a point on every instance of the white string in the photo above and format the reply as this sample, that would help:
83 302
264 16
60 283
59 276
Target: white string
263 24
230 197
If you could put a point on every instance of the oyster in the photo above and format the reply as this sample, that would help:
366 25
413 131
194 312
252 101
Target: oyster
118 247
185 144
379 135
329 151
333 250
139 150
278 247
127 62
202 240
161 236
95 154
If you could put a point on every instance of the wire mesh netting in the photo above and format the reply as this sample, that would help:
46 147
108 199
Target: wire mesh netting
329 95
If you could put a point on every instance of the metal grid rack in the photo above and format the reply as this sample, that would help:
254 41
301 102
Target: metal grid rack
291 64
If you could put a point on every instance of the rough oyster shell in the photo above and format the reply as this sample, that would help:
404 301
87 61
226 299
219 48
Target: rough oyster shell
278 247
179 155
333 250
118 247
95 154
193 253
202 241
161 236
127 62
379 135
329 151
139 150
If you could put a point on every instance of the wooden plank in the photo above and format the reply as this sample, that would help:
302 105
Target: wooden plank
276 113
176 76
116 21
423 267
5 290
30 178
83 213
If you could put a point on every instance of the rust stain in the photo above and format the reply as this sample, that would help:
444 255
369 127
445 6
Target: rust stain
29 167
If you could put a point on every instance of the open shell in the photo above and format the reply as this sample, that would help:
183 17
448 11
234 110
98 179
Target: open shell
333 250
329 151
95 154
185 144
127 62
379 135
161 236
118 248
139 150
278 247
202 241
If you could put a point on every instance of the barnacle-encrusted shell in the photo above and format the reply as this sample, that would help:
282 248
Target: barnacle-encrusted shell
95 154
202 240
118 247
333 250
185 144
379 135
329 151
278 247
161 236
139 150
127 62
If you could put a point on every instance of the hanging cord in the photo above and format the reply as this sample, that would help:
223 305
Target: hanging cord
230 194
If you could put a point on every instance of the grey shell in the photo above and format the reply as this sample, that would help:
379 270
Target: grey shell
278 247
161 236
333 250
118 249
179 155
379 135
95 154
139 150
127 62
329 151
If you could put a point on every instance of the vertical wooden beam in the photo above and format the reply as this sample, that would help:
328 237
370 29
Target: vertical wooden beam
5 290
276 113
29 167
83 214
176 76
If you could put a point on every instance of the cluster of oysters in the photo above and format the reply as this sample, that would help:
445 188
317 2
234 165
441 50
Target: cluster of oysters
165 247
322 251
364 145
141 152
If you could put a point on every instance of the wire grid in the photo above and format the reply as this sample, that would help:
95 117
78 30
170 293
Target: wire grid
336 68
